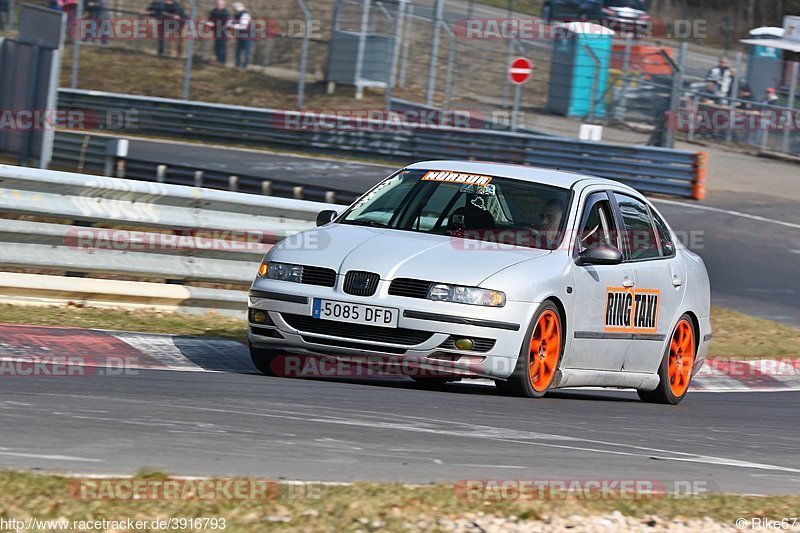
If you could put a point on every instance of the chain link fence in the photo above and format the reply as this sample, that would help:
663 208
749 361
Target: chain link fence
423 55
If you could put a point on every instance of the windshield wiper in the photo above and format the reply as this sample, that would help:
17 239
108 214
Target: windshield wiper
369 223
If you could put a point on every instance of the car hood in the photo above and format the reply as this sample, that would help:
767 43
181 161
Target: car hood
400 254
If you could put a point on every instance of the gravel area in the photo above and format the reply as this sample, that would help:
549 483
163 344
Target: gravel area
615 521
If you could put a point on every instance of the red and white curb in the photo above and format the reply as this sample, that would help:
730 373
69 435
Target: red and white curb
22 346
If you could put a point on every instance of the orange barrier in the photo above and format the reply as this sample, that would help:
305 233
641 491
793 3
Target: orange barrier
701 172
646 59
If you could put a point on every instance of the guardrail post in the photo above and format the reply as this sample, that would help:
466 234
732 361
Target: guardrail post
732 101
700 173
233 183
76 46
116 152
187 71
301 83
793 78
266 188
298 192
198 178
330 197
161 173
438 16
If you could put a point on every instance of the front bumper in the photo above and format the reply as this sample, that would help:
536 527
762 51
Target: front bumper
430 328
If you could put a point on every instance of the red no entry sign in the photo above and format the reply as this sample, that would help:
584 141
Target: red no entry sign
520 70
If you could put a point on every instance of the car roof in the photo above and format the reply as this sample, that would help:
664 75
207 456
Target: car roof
546 176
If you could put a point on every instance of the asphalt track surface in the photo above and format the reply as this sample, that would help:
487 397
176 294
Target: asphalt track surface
194 423
235 422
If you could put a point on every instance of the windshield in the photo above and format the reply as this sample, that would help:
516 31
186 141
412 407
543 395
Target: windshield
471 206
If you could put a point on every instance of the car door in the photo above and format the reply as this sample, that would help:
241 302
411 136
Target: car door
659 276
596 344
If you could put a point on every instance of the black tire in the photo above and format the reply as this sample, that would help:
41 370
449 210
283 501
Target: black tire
664 394
262 360
519 383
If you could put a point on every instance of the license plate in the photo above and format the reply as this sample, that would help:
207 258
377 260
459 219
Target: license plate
385 317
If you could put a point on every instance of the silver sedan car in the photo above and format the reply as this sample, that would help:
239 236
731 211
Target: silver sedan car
537 279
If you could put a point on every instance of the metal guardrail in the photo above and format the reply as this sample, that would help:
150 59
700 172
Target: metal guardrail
97 153
658 170
151 231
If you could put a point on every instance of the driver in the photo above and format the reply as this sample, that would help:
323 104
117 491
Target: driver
550 215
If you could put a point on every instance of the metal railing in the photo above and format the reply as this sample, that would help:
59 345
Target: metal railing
139 231
98 153
658 170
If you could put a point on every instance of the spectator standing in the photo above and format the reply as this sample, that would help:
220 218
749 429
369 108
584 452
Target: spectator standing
722 77
219 19
768 116
5 9
97 11
165 11
242 21
70 7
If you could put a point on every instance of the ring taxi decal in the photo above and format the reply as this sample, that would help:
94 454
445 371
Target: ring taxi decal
632 310
456 177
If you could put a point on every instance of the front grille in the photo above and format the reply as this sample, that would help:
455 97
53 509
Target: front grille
359 283
410 288
352 345
479 345
312 275
406 337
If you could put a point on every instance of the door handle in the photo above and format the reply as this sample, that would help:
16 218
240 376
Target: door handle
676 281
627 283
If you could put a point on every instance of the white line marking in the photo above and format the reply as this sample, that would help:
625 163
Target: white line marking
51 457
436 427
728 212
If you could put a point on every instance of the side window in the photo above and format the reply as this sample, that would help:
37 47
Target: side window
664 236
638 228
598 227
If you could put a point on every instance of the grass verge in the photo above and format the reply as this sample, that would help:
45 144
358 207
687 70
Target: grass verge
365 506
735 334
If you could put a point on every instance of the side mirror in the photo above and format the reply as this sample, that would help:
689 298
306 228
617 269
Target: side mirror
602 254
326 217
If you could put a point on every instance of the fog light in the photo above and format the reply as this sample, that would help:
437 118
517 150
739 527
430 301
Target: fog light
464 344
260 317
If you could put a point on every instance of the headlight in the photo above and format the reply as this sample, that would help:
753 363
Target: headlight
466 295
281 271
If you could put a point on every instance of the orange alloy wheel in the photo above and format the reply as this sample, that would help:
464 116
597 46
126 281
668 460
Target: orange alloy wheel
681 358
544 351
